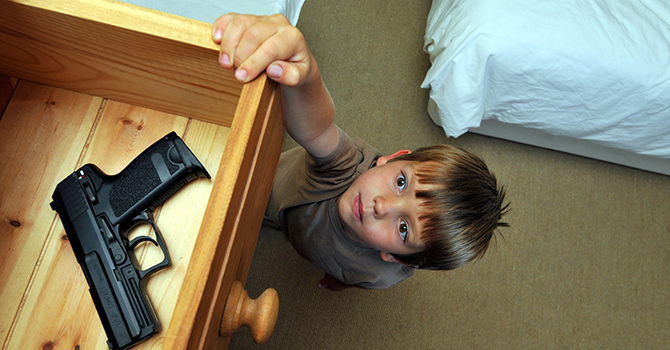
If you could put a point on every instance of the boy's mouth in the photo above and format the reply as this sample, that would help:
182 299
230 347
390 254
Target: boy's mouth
357 208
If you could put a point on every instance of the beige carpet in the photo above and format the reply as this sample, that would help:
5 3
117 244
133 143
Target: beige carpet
585 265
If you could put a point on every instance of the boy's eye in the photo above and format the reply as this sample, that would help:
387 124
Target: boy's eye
401 182
403 230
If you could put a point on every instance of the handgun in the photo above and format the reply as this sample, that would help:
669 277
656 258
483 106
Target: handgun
98 211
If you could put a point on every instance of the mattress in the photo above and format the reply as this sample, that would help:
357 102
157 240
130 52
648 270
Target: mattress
591 70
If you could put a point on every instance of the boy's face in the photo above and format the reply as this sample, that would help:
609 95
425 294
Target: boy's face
380 209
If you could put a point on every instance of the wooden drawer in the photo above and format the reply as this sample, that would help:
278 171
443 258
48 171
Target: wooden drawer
98 82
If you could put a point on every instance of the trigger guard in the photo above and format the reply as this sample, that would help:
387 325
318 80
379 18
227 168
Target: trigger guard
135 242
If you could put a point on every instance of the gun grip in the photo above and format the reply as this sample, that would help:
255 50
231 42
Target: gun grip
152 177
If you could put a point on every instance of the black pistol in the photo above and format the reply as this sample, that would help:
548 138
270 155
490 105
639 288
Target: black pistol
98 211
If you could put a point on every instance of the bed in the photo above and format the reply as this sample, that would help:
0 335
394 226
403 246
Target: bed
586 77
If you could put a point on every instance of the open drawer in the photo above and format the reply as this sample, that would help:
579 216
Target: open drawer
98 81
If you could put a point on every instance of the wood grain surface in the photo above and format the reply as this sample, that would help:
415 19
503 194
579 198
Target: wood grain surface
118 51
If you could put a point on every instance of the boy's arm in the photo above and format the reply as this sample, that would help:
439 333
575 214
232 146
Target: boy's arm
253 44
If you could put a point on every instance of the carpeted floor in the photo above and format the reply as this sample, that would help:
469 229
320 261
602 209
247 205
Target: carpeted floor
585 264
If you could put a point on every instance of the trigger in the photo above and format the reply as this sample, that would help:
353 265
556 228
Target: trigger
135 242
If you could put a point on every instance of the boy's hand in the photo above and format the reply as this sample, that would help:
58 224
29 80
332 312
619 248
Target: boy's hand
253 44
334 284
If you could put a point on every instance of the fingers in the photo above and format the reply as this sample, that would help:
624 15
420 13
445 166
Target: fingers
324 282
220 25
257 49
289 74
283 55
254 44
228 30
272 40
332 283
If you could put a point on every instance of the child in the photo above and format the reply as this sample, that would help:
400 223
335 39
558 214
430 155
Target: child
367 220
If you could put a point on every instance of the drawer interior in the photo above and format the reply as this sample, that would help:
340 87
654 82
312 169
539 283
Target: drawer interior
46 134
98 82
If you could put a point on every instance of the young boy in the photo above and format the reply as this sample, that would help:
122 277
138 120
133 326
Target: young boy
367 220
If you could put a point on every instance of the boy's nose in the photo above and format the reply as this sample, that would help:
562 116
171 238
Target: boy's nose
385 205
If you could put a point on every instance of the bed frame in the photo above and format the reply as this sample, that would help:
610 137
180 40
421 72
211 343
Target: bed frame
98 81
584 148
578 147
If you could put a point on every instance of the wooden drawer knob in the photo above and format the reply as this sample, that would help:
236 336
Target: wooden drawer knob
260 315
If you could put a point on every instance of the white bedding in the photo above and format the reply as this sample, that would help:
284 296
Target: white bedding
210 10
586 69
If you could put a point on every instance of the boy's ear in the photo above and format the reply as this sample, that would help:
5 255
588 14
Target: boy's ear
389 258
384 159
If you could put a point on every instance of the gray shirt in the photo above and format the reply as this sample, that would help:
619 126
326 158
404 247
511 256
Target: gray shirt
305 192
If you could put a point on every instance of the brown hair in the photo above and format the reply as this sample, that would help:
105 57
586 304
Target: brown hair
462 207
